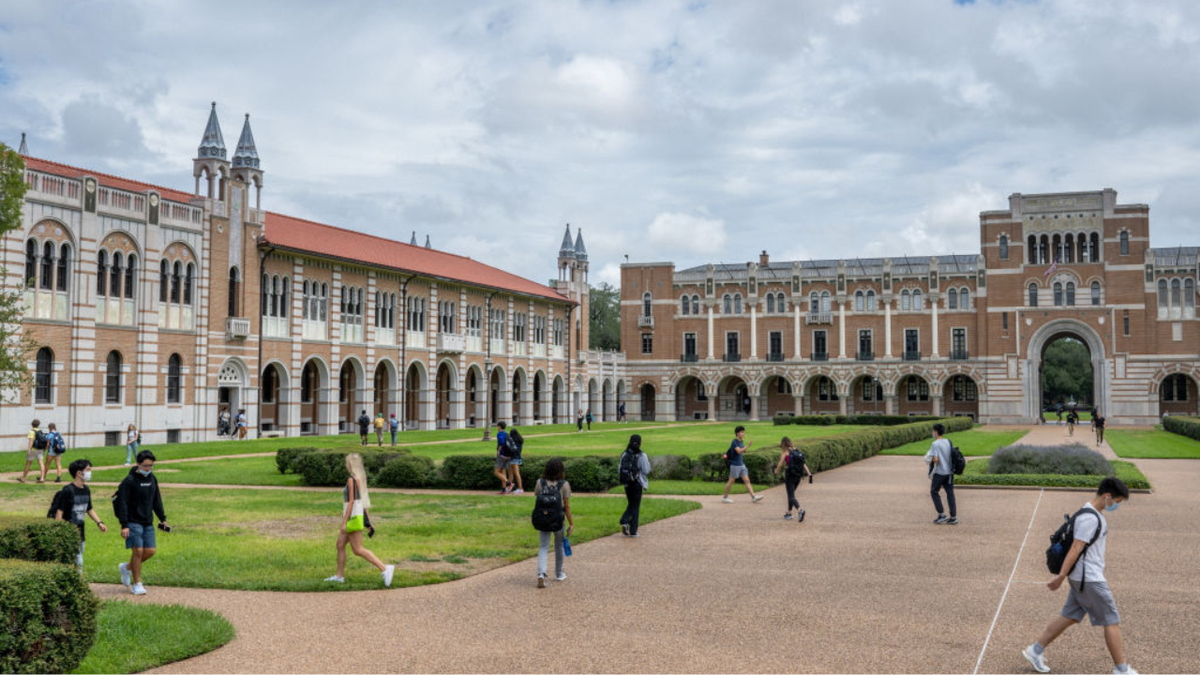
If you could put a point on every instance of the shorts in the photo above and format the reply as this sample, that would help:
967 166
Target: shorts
738 471
1095 600
33 455
514 461
140 536
501 462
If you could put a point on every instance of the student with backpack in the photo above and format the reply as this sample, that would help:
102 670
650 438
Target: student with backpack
378 424
55 447
797 469
737 464
501 467
364 426
1098 426
133 439
136 503
589 419
356 517
74 502
633 471
515 443
551 504
35 446
394 427
1083 570
579 420
941 470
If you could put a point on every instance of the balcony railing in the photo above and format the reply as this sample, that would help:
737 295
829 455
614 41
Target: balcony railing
645 321
688 358
776 357
451 343
820 356
864 356
237 328
731 358
912 356
816 319
959 355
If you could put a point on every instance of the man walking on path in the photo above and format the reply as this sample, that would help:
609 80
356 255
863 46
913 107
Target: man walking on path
941 470
364 426
74 503
1088 592
138 501
501 466
1098 426
737 464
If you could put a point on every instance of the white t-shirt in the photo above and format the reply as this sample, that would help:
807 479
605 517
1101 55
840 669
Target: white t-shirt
941 449
1093 558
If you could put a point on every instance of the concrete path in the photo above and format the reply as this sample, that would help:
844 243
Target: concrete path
865 584
1056 434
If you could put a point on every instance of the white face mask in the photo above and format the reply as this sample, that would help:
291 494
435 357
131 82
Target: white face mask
87 476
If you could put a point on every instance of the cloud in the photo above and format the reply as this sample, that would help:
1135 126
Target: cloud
694 234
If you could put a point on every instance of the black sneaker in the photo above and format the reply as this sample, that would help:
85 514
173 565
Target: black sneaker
801 518
625 529
952 521
941 519
787 516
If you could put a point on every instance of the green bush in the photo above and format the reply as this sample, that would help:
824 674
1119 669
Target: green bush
328 467
1184 426
976 474
669 467
809 420
468 472
47 617
407 471
38 539
285 458
592 473
475 472
857 420
1074 459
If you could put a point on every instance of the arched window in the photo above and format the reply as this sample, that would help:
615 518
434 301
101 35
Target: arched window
42 375
1004 247
323 305
952 299
1095 292
1044 250
1095 247
695 304
1124 243
285 309
1082 245
1163 300
234 291
101 272
130 276
1069 248
1056 246
1189 293
174 378
264 291
737 303
685 307
1032 250
47 265
859 301
1070 294
727 304
31 262
871 301
781 303
305 303
964 298
1033 295
1058 294
115 276
164 276
814 303
918 303
64 266
275 308
770 303
379 309
175 281
112 378
647 304
1176 296
905 301
188 281
826 306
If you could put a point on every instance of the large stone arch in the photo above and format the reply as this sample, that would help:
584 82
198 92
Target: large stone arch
499 395
418 399
593 398
274 396
522 397
385 382
608 405
543 412
559 402
447 398
1036 347
475 395
315 378
735 397
233 391
352 399
1176 399
692 397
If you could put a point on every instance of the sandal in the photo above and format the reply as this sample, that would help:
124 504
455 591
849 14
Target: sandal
20 480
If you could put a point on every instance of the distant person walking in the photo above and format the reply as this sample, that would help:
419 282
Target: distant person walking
737 464
500 469
223 420
243 424
55 447
552 504
356 517
364 426
941 470
1060 411
1098 422
579 420
589 419
621 412
797 469
138 500
394 427
633 471
133 439
1083 570
379 423
74 503
35 445
1072 419
515 443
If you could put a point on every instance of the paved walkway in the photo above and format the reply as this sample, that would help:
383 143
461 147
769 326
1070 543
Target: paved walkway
1056 434
865 584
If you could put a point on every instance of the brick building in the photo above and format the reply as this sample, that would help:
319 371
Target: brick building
160 307
955 335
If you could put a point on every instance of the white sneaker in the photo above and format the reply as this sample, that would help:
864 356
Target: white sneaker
336 579
387 575
126 577
1130 671
518 491
1038 661
756 498
563 577
727 500
138 589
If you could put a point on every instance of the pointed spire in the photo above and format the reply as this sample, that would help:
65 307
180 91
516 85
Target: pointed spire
427 242
213 143
246 155
413 241
580 249
24 150
567 248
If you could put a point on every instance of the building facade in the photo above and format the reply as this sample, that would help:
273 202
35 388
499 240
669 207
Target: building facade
161 308
952 335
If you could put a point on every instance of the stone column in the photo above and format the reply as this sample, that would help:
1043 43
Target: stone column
933 300
842 329
753 330
664 407
889 404
712 405
887 328
754 408
843 402
797 404
710 333
936 399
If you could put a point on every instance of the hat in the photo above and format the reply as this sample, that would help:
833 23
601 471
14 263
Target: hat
393 414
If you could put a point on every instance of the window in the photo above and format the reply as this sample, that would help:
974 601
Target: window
112 378
826 306
859 301
1033 295
826 389
1070 294
732 348
918 303
174 378
770 303
820 343
1125 322
1095 292
130 276
781 303
115 275
647 304
814 303
1004 247
963 388
1069 248
912 344
164 275
958 343
1163 300
47 265
1176 299
685 307
918 389
1058 294
737 303
952 299
233 291
416 314
188 283
1094 247
727 304
539 330
1189 294
1124 243
31 262
647 343
64 266
1004 321
775 343
905 301
1032 246
519 325
43 376
871 301
446 318
964 298
864 345
695 304
496 324
782 386
689 344
1175 388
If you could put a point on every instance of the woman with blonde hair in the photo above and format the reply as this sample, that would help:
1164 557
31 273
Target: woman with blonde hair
356 512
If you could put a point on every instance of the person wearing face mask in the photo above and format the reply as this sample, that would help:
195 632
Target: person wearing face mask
74 502
1083 570
138 500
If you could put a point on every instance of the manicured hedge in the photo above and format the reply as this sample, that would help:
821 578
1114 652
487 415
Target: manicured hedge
285 458
1184 426
976 474
407 471
328 467
475 472
858 420
1074 459
47 617
670 467
823 454
38 539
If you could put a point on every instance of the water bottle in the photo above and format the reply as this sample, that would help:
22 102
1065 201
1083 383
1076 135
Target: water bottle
567 547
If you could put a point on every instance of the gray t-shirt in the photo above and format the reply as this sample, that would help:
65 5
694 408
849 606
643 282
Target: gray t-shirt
941 449
1093 558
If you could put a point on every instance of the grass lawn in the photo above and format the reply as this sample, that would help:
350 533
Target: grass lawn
690 487
1084 415
1151 444
284 540
135 637
241 471
974 443
976 474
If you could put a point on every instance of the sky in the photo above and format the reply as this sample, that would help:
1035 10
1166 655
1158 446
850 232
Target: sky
685 131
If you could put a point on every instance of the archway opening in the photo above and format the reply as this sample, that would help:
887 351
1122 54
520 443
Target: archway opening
776 397
648 396
691 399
494 389
412 397
593 400
383 390
445 394
539 386
960 397
519 396
607 406
556 402
913 396
1177 396
474 399
1067 379
270 389
310 399
822 395
866 396
733 399
347 397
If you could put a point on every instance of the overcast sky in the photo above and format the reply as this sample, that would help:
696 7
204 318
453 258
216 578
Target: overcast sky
679 131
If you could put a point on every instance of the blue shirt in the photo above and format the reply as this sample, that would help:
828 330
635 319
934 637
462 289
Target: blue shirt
736 457
501 442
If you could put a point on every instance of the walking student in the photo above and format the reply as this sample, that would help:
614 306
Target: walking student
589 419
737 464
132 440
34 446
138 501
1072 419
797 469
552 503
394 427
941 471
579 420
243 426
1098 426
515 443
1083 570
379 428
364 426
634 469
55 447
74 503
501 467
356 517
621 412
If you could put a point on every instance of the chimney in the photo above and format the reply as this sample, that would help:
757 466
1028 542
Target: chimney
763 259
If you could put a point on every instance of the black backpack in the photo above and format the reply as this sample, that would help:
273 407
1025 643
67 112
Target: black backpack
795 468
957 462
628 471
1060 544
513 443
39 440
548 508
729 455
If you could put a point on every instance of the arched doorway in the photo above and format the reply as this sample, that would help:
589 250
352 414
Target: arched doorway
475 409
539 385
519 395
495 391
913 396
231 380
558 401
822 396
648 395
866 396
414 395
608 408
621 395
447 384
593 399
960 397
312 384
733 399
1079 335
348 403
776 397
271 398
1066 374
383 389
1177 395
691 399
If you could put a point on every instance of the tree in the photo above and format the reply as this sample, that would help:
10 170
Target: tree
604 319
1067 372
14 346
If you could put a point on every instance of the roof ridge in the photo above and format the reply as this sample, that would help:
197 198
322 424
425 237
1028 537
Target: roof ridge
101 174
376 236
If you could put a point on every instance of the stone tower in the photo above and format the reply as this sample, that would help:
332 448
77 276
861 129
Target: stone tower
246 167
210 159
573 281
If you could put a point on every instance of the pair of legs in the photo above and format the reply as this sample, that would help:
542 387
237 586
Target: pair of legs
393 439
379 435
514 475
138 557
1070 428
131 450
792 483
733 476
939 482
30 458
355 540
1099 435
1112 637
362 437
51 457
544 552
633 495
501 471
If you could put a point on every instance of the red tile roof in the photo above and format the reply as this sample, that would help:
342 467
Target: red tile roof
301 235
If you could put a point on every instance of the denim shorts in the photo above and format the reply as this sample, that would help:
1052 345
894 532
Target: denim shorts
738 471
514 461
140 536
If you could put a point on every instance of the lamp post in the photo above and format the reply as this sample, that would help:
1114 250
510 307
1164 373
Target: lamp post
487 413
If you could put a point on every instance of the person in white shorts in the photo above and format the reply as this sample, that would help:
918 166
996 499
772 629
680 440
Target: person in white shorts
1088 593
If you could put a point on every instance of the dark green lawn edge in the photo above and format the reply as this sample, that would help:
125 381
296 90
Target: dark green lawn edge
134 637
975 476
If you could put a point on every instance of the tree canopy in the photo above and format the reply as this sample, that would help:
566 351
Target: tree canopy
604 317
1067 372
13 345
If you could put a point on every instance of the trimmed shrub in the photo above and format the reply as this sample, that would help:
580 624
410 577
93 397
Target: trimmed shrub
47 617
406 471
857 420
1184 426
38 539
976 474
814 420
474 472
328 467
285 458
468 472
668 467
1069 460
592 474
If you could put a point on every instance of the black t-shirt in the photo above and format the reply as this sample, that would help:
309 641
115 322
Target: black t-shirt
74 502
